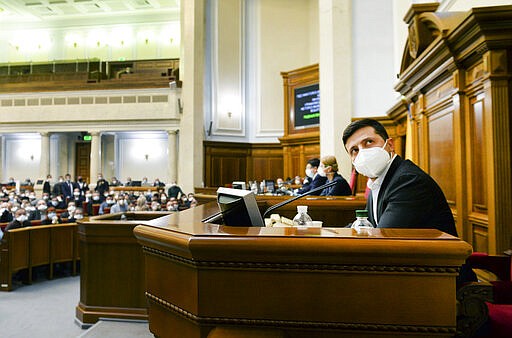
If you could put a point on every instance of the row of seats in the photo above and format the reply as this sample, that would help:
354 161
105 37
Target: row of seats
46 245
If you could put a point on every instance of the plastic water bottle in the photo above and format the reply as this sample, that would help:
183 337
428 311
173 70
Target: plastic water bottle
302 219
362 225
254 188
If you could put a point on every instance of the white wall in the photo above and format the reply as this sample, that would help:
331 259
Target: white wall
268 38
21 156
142 154
373 57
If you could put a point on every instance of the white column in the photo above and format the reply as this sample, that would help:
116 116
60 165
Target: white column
172 156
335 78
44 164
95 164
192 68
2 158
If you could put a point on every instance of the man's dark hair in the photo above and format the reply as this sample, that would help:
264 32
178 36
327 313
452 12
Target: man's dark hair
356 125
315 162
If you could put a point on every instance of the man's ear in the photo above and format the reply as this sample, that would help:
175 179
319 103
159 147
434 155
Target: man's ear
391 145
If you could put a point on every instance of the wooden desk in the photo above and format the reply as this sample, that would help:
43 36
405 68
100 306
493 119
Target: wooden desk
112 267
334 211
204 279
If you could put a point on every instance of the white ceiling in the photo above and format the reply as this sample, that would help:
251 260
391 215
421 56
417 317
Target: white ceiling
66 13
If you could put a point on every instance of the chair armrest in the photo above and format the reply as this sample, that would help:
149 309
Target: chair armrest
472 312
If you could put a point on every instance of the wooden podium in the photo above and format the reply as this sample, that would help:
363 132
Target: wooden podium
206 280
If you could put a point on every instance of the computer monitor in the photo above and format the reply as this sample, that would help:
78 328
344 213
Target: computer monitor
239 185
136 183
270 186
239 207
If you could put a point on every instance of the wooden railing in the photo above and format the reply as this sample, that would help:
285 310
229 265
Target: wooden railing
29 247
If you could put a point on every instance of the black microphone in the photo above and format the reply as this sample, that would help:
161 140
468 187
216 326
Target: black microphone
278 205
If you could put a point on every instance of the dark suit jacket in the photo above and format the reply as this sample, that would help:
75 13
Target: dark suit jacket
410 198
16 225
341 188
47 187
315 183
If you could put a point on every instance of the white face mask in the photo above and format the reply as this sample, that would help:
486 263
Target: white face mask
371 162
309 173
321 172
21 218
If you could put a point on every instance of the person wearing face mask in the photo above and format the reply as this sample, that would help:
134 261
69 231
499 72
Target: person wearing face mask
52 217
329 168
77 214
78 197
402 195
120 206
313 179
5 212
106 205
20 220
102 187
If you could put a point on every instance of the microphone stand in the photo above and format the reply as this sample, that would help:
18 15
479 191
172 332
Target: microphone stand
217 216
278 205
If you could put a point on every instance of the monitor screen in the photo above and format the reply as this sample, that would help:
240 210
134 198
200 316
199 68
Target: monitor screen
239 185
239 207
136 183
307 106
270 186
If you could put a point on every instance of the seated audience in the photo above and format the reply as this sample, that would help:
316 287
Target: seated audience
20 220
115 183
329 168
78 198
6 214
144 182
109 201
312 179
121 205
70 211
52 216
173 204
155 206
78 214
141 204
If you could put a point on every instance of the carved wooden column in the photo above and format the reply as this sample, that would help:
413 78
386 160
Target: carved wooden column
498 147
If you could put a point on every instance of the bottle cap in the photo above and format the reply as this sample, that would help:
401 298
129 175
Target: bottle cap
362 213
302 208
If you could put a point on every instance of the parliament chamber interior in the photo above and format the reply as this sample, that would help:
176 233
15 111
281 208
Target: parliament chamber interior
157 153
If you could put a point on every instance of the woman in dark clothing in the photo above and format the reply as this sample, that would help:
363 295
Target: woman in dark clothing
329 168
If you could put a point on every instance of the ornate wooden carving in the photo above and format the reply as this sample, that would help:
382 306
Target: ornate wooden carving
457 77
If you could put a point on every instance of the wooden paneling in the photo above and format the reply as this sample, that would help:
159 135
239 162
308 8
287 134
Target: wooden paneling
441 145
477 152
459 90
226 162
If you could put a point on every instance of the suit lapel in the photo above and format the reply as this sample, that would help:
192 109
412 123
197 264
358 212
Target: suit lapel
397 161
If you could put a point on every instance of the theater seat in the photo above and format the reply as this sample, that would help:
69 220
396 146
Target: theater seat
496 271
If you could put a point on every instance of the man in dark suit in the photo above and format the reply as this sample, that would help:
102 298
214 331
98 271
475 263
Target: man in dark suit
47 188
313 179
402 195
20 220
